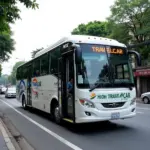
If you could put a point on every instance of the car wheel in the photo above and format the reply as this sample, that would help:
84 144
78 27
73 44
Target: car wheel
146 100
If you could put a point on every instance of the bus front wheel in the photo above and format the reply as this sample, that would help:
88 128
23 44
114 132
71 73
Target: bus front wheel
24 102
56 113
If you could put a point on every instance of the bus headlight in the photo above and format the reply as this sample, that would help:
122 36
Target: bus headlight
133 101
87 103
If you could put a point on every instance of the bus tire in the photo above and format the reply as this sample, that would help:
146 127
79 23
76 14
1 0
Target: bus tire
24 103
55 111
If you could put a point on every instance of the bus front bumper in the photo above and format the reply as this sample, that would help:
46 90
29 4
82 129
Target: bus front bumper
95 115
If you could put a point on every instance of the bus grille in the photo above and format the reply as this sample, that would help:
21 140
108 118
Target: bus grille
113 105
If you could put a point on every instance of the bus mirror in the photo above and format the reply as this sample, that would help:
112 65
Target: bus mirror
78 54
137 55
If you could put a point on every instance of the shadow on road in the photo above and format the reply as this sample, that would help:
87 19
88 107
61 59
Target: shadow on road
86 128
96 128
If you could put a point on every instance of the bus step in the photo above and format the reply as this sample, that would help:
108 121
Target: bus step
68 120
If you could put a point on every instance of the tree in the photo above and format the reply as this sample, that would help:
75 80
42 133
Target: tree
4 79
33 53
95 28
6 46
130 18
0 70
119 32
9 12
12 76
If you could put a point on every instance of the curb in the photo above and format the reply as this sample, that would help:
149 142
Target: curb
18 140
7 139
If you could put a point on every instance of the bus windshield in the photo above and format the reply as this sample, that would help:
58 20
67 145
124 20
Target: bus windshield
107 66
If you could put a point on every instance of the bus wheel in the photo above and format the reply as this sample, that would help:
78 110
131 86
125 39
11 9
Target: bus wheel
56 113
24 103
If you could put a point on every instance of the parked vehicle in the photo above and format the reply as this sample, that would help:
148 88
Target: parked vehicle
3 90
10 92
0 88
146 97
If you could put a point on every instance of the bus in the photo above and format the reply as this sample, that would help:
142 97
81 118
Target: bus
100 75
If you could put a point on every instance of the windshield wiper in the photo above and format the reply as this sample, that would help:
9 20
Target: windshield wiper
94 87
97 85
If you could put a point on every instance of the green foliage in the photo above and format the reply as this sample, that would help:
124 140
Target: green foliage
6 47
0 70
33 53
4 79
131 22
119 32
12 77
96 28
9 12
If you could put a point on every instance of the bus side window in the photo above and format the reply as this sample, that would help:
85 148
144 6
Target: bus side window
36 68
17 74
122 71
54 55
25 72
44 64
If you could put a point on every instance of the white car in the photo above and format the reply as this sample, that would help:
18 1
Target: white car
3 90
145 97
10 92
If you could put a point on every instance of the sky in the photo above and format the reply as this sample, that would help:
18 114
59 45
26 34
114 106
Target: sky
53 20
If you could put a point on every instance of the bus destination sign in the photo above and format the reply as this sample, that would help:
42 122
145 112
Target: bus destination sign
109 50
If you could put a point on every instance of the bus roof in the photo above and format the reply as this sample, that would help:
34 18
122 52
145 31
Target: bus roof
82 39
79 39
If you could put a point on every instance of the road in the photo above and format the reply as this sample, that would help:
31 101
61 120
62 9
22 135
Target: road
43 134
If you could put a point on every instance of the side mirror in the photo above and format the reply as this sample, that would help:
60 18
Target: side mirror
78 54
137 55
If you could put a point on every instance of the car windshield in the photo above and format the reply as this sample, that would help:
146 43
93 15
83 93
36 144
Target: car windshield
11 90
107 66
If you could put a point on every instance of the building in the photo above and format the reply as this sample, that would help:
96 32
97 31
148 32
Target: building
142 79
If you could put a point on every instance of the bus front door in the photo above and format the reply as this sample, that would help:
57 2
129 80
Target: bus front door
66 74
29 83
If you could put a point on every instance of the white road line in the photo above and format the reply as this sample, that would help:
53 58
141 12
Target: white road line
143 108
61 139
138 112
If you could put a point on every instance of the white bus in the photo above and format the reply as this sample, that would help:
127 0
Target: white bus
103 82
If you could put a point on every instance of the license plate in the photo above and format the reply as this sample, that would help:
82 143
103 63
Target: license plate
115 115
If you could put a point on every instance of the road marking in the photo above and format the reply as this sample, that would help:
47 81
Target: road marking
143 108
69 144
140 112
6 137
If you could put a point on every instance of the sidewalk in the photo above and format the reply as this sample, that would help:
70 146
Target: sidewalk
5 141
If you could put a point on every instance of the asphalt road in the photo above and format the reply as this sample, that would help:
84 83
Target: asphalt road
43 134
